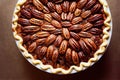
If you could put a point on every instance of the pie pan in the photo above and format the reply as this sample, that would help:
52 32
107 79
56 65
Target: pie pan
73 69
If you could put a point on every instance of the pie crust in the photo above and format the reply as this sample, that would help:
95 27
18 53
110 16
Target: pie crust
72 69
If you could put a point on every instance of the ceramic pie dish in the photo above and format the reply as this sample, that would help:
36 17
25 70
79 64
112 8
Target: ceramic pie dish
62 36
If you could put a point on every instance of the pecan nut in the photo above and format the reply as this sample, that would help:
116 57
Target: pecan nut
76 20
75 35
66 33
28 29
38 4
56 16
76 27
70 16
58 8
68 55
81 3
75 57
50 39
36 21
65 6
86 14
26 13
73 6
55 55
66 24
63 47
32 47
58 40
48 27
42 52
56 24
48 17
37 14
90 4
51 6
85 34
41 34
95 17
84 47
50 52
24 22
77 12
74 44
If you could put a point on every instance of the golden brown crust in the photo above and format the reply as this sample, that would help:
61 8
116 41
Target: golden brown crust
72 69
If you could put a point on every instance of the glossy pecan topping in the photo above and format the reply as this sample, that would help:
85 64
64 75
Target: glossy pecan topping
61 33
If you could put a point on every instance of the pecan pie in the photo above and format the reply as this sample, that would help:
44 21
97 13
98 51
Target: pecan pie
62 35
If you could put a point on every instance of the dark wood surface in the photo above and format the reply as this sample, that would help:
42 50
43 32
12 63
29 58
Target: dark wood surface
13 66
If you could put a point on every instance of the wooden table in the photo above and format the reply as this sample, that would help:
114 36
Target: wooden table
13 66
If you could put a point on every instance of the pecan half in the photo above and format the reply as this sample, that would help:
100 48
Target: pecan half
36 21
26 13
87 26
58 40
48 27
99 23
66 33
26 38
32 47
77 12
81 56
95 31
56 24
56 16
84 47
50 52
28 29
50 39
76 20
96 8
46 10
42 52
68 55
64 16
85 34
40 41
63 47
37 14
44 1
56 31
91 44
76 27
48 17
41 34
75 57
70 16
51 6
38 4
74 44
95 17
55 55
66 24
24 22
65 6
81 3
58 8
90 4
73 6
75 35
86 14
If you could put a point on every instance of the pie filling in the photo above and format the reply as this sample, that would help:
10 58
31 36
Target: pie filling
61 33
